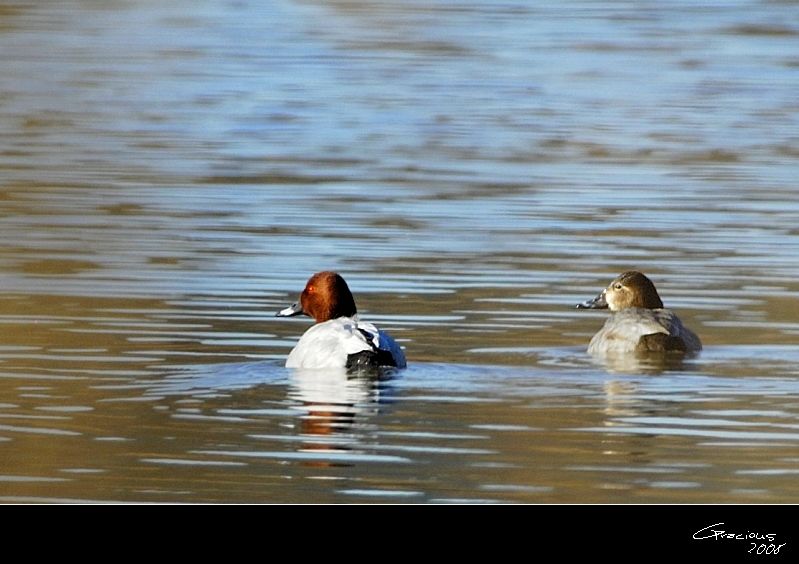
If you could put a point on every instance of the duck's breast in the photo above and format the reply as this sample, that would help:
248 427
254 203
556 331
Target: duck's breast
329 344
623 330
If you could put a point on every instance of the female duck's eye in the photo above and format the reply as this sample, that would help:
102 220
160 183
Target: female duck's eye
617 286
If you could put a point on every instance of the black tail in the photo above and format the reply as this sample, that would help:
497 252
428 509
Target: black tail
365 360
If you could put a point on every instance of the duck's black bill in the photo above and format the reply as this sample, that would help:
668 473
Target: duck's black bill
291 311
598 302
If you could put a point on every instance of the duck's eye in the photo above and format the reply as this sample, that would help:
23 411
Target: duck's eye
311 289
617 286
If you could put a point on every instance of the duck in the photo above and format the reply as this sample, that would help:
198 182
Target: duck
339 338
638 323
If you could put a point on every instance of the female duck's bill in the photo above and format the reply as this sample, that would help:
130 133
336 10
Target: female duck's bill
639 322
339 338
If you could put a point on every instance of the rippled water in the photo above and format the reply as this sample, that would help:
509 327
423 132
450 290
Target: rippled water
171 174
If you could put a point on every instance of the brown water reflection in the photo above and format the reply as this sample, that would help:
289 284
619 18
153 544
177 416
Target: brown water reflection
171 172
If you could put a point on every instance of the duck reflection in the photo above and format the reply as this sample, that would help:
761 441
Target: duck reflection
648 363
628 426
335 406
620 447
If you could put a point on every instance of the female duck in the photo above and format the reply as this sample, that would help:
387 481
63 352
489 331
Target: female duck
639 322
339 339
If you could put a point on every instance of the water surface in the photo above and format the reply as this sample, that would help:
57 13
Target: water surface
172 173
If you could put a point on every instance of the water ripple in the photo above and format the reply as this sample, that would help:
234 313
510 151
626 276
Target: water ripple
166 192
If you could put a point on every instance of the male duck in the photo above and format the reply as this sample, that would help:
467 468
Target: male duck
639 322
339 339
